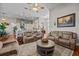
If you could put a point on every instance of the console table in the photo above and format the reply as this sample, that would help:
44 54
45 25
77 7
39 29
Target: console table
45 49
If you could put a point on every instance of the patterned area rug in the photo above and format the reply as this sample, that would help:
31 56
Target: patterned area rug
30 50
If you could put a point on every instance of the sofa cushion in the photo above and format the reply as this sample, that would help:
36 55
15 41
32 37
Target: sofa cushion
51 38
29 34
54 33
66 32
30 37
64 41
38 35
66 36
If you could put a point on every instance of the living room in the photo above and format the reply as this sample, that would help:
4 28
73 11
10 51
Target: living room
39 29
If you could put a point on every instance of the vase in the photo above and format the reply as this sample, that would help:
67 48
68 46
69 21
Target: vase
44 40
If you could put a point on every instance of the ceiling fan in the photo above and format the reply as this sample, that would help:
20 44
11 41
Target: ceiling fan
35 7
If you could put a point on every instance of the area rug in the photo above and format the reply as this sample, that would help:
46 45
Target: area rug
30 50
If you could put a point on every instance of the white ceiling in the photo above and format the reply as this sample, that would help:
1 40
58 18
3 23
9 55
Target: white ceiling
51 6
14 10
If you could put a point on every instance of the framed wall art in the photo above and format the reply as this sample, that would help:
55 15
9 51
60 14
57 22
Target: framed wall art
66 21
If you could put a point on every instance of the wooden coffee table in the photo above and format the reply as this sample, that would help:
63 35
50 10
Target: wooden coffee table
45 49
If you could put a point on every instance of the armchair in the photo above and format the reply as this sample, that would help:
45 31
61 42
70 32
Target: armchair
28 37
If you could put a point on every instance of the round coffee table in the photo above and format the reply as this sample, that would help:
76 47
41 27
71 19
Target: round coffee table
45 48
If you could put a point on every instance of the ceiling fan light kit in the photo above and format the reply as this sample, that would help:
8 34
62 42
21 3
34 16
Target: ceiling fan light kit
35 7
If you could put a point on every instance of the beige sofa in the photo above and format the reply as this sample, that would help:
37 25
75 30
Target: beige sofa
9 46
64 38
32 36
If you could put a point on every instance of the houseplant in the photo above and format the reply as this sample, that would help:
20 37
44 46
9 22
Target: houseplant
3 26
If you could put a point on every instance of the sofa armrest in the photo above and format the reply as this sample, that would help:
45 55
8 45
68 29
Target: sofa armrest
72 43
24 37
1 44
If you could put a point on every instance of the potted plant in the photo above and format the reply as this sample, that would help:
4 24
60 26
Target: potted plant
3 26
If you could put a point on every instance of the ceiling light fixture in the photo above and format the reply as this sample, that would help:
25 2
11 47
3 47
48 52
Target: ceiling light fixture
35 7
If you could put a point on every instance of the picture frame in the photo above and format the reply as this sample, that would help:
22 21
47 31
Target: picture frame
66 21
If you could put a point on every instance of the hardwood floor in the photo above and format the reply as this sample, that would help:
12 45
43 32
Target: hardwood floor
76 52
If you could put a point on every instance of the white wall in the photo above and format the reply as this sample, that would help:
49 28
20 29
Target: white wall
12 23
62 10
44 21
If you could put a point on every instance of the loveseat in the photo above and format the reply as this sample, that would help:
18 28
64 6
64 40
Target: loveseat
64 38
